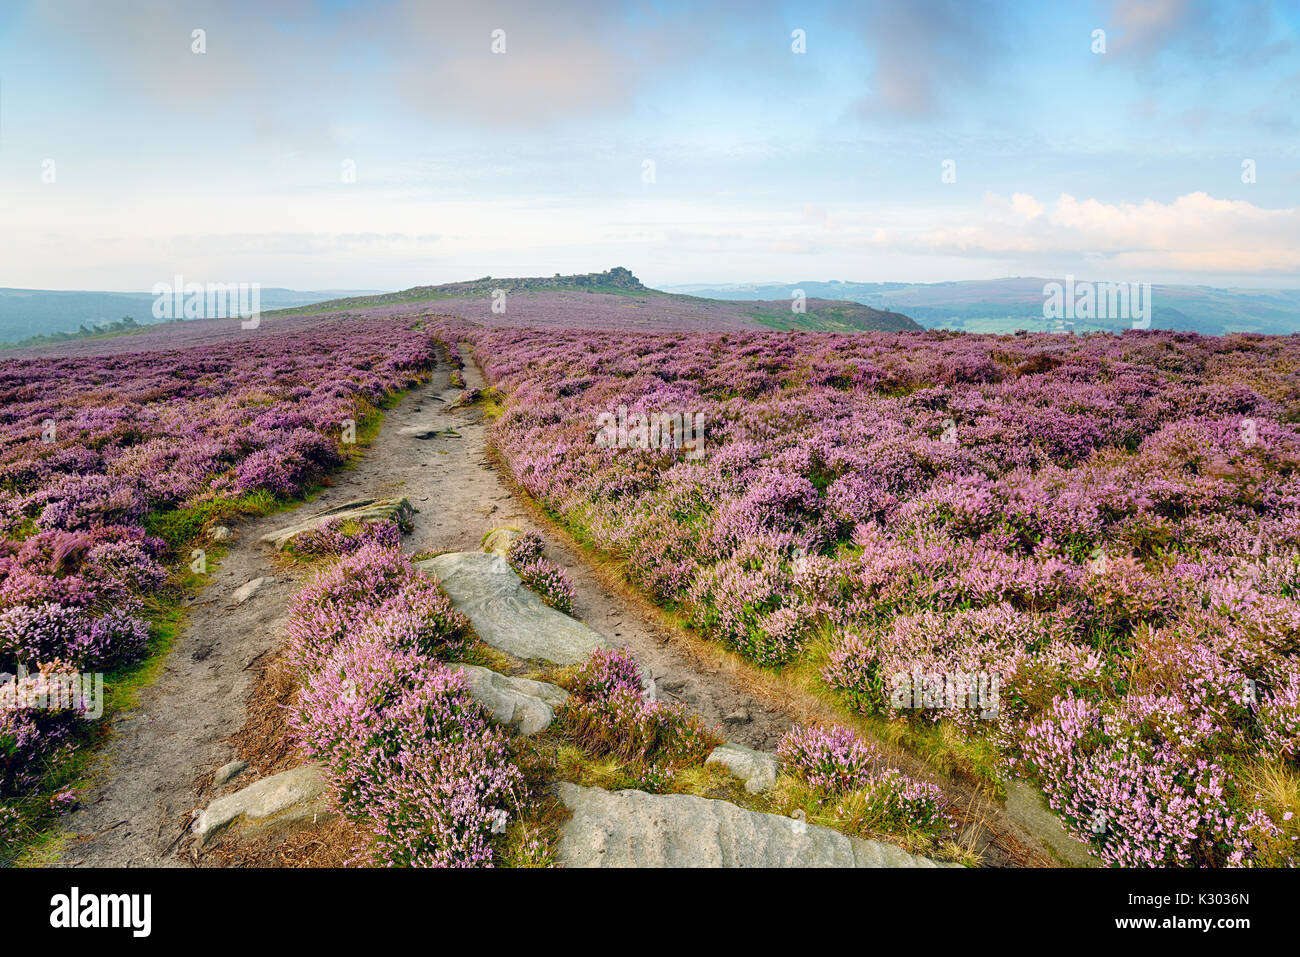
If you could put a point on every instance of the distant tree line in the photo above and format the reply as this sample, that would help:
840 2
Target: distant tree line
84 332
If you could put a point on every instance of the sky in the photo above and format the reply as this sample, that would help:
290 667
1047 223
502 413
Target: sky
342 145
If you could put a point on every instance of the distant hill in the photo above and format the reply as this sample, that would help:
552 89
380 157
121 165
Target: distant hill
28 313
614 281
830 315
1005 305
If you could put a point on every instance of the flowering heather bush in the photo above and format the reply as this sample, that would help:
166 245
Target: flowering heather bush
832 759
524 549
411 755
606 671
1103 517
375 589
608 712
540 574
1135 781
30 735
549 581
342 537
836 762
891 801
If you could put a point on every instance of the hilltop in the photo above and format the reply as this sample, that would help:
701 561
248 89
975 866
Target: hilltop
617 280
615 298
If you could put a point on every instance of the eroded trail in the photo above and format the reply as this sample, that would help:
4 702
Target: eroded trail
157 769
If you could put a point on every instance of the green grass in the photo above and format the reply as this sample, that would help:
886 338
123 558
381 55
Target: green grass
181 527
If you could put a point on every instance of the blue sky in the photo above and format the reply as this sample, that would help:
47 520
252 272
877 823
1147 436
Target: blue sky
768 164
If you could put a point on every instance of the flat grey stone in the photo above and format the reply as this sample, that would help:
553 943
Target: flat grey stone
298 796
1027 807
227 771
220 534
498 541
363 510
756 768
527 706
636 829
507 615
248 590
433 426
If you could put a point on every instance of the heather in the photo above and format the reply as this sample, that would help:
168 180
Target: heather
540 574
847 783
1103 530
113 466
342 537
411 756
610 713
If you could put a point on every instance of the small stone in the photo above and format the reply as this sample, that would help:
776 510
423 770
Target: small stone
228 771
221 534
430 428
247 590
739 716
284 800
756 768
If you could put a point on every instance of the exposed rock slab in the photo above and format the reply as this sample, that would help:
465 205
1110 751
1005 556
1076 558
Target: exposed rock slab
1028 808
298 796
507 615
756 768
636 829
526 705
364 510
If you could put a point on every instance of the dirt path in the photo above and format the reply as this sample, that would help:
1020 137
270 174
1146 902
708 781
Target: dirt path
156 770
161 754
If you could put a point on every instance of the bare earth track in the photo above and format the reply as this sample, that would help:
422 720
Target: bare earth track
157 768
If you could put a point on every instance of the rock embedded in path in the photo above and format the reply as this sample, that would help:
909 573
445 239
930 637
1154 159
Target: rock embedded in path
507 615
277 803
498 541
248 590
363 510
636 829
228 771
431 427
756 768
527 706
